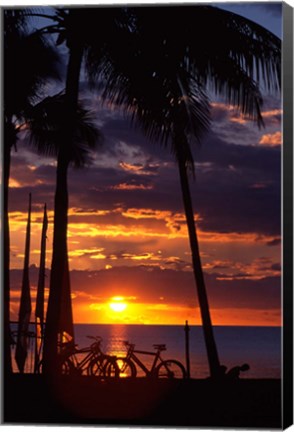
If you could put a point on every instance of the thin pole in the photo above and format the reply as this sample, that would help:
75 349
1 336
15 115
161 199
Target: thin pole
187 346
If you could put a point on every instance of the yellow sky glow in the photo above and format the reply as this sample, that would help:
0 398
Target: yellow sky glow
164 313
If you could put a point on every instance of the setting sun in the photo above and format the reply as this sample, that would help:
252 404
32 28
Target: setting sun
117 304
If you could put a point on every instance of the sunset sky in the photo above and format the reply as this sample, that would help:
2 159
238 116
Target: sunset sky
127 236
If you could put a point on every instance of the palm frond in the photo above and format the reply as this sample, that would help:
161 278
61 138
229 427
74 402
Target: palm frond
48 130
239 45
182 64
15 20
29 62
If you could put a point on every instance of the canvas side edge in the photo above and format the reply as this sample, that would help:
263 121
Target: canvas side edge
287 77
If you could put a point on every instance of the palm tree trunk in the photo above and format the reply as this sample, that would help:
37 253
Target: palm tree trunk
6 292
211 349
60 282
58 269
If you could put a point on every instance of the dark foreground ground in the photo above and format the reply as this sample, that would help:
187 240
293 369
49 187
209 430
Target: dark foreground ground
83 400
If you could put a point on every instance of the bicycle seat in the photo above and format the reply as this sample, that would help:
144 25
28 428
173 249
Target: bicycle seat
160 347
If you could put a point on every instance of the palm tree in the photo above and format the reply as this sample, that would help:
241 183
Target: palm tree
164 80
99 26
24 82
48 128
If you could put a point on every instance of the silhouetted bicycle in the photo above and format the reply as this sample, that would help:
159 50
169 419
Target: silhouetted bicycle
95 362
87 361
171 369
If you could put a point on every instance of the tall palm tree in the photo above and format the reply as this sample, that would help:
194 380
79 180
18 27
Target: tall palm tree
25 79
48 128
99 26
164 80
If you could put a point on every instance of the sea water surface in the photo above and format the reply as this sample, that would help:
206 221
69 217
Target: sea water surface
260 347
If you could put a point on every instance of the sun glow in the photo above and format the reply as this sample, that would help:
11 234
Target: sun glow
117 304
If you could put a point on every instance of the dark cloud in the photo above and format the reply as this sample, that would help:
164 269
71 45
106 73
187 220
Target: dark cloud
276 266
225 196
176 287
274 242
237 187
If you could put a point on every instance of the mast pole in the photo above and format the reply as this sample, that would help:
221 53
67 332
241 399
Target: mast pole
25 302
39 311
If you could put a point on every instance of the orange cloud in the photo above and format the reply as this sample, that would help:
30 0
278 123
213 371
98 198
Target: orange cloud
98 256
139 168
13 183
175 222
238 119
174 226
131 167
74 211
271 140
130 186
92 252
88 235
235 116
275 114
93 230
140 257
136 213
259 185
271 113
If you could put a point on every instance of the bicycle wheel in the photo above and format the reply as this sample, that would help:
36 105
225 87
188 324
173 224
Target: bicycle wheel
171 369
67 367
112 369
98 366
126 367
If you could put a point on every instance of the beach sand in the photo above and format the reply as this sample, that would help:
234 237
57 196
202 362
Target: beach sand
246 403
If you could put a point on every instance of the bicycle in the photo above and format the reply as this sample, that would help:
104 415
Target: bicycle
160 368
94 363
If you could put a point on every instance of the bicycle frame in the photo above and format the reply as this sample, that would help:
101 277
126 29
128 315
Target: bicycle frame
131 355
79 365
72 356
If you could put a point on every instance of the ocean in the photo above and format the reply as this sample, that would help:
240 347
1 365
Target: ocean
260 347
